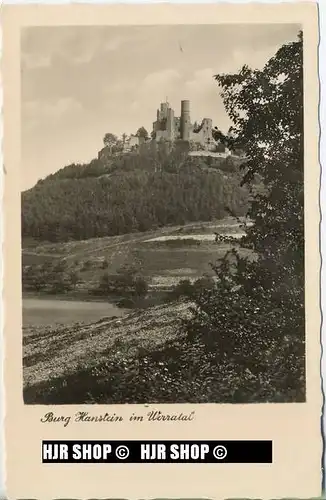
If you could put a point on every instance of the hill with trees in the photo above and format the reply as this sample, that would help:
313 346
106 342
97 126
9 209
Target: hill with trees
120 193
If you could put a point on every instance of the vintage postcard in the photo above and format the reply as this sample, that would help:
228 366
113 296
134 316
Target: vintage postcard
161 255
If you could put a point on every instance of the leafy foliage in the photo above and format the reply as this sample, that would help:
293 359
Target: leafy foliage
110 139
126 283
255 313
142 133
178 373
53 277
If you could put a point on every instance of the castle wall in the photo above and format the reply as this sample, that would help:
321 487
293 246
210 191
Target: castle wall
170 124
163 134
168 127
204 136
164 109
164 127
131 142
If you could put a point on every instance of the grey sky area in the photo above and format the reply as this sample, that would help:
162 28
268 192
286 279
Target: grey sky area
80 82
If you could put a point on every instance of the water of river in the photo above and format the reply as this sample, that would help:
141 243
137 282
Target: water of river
50 311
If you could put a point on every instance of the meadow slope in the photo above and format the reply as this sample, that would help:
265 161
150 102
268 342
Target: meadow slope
164 256
52 355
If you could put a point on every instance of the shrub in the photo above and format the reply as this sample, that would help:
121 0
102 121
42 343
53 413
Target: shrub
184 289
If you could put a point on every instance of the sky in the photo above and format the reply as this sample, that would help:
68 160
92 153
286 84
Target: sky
79 82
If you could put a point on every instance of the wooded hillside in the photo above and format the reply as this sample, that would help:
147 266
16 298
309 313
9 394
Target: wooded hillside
134 192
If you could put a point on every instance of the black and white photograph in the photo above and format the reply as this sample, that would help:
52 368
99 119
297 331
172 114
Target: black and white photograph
162 214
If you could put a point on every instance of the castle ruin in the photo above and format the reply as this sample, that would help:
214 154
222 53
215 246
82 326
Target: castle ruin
168 127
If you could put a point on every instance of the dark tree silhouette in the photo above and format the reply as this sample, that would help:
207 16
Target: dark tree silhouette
254 316
142 133
110 140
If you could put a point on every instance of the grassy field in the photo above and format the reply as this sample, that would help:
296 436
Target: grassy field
164 256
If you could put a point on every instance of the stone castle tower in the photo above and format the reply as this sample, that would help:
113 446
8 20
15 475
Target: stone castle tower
185 124
167 127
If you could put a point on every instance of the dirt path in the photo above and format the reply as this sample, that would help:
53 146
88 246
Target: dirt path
141 237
